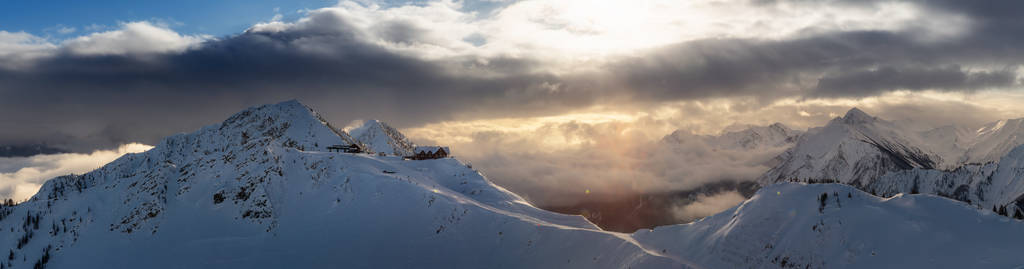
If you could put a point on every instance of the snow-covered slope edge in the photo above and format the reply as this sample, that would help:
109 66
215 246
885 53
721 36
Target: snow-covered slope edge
259 191
793 225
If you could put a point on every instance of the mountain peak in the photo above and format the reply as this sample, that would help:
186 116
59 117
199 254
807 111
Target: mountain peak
855 115
380 137
294 124
290 108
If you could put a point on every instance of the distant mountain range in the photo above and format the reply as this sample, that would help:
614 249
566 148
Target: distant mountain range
260 190
882 157
873 154
749 138
645 210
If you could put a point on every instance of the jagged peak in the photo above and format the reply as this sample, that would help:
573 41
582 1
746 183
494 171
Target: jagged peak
371 124
292 122
380 137
285 109
855 115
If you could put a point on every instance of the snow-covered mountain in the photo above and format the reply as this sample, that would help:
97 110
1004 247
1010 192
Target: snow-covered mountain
978 167
859 149
790 225
741 138
378 137
961 145
950 141
994 140
260 190
855 149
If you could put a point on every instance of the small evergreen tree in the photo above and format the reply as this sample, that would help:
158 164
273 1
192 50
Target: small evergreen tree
822 199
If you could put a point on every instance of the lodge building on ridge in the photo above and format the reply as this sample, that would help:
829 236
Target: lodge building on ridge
350 148
429 152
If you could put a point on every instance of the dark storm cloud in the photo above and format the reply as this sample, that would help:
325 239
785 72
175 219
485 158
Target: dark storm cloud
833 65
907 59
875 81
102 101
88 102
727 67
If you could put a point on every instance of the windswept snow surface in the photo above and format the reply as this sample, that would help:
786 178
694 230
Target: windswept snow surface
792 225
259 191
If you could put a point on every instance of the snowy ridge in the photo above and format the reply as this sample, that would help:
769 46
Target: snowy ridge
791 225
378 137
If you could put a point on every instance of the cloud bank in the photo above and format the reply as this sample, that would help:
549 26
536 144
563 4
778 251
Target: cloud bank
21 177
440 61
708 205
559 161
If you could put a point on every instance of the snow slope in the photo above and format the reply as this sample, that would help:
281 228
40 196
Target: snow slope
258 190
382 138
792 225
994 140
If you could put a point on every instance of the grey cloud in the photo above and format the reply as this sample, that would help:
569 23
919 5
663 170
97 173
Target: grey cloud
88 102
400 32
874 81
608 162
750 67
